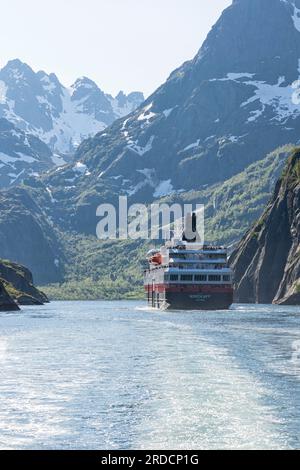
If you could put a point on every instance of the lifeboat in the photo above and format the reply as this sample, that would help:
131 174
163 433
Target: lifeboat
156 259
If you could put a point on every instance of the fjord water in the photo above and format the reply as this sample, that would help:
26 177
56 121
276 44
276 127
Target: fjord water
115 375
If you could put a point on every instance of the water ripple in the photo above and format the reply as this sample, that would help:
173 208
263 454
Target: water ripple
116 375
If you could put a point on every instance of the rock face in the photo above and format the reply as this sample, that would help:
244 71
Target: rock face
28 237
21 155
18 282
267 261
7 304
39 104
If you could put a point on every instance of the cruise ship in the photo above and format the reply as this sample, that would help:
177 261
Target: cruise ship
184 274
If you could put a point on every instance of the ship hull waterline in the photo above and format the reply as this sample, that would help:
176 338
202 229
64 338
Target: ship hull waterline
190 298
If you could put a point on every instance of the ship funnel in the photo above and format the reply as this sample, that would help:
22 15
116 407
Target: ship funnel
190 232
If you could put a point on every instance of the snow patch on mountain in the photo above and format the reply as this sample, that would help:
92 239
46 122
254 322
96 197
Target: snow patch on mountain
167 112
16 177
163 189
148 181
71 127
58 160
296 17
21 155
192 146
6 159
3 91
279 96
142 150
47 84
52 199
235 77
81 169
146 115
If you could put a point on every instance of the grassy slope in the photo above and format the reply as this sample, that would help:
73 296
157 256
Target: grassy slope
113 270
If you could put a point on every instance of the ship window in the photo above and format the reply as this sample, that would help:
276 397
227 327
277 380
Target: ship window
214 278
200 278
174 277
186 277
226 278
166 277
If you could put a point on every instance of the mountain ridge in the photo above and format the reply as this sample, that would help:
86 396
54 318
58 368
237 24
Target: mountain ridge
210 108
209 121
61 117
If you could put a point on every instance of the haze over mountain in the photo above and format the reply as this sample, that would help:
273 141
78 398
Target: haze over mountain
197 134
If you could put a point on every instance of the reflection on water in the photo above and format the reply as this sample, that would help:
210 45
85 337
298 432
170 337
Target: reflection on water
115 375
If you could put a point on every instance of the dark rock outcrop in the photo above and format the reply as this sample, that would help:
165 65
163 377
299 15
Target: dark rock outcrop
267 261
18 282
7 303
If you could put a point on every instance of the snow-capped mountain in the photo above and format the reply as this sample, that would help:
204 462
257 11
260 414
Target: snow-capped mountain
61 117
22 155
237 100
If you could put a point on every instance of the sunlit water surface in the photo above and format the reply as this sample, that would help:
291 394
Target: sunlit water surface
115 375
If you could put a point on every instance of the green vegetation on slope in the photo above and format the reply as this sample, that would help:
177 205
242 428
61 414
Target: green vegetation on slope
100 269
231 207
113 269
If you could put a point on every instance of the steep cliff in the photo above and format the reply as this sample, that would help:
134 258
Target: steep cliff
7 304
267 261
27 235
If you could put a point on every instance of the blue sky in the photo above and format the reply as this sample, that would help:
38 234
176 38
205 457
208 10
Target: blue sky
121 44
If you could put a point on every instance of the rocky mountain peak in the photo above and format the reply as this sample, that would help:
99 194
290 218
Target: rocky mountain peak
18 70
135 98
260 37
39 104
228 107
83 85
